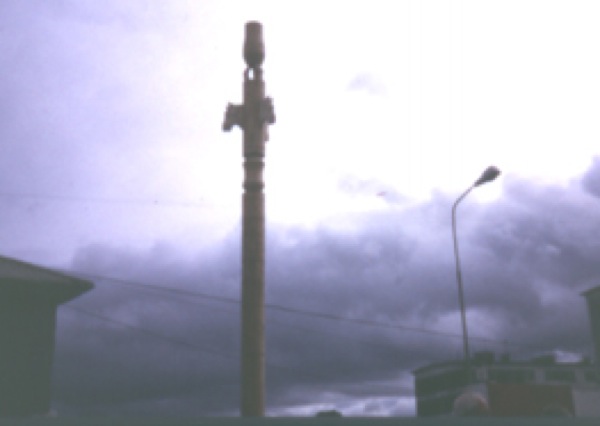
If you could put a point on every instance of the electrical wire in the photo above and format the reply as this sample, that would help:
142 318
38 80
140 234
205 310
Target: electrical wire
183 343
146 331
289 310
271 306
99 200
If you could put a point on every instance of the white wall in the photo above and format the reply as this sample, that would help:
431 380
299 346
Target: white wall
586 402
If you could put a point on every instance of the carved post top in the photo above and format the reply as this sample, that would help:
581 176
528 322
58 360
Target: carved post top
256 110
254 48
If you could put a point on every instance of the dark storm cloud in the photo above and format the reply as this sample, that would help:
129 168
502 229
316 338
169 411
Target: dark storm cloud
526 258
535 251
132 350
305 271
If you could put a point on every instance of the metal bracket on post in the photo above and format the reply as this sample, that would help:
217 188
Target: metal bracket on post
266 114
234 116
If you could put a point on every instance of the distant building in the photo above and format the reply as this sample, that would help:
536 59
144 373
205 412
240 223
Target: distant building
592 297
540 386
29 296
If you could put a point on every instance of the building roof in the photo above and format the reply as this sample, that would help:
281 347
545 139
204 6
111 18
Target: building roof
438 365
591 291
540 361
19 278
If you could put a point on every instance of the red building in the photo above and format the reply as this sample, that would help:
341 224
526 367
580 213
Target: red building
530 388
540 386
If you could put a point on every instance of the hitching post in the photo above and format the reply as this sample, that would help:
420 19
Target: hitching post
252 117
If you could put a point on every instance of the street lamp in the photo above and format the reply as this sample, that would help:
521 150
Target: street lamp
488 175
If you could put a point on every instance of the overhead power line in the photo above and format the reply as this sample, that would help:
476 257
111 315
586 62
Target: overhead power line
179 342
288 309
147 331
101 200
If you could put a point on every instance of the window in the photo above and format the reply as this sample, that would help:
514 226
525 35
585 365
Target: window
591 376
511 375
440 382
560 375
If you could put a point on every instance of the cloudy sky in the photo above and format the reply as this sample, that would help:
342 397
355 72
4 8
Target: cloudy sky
113 165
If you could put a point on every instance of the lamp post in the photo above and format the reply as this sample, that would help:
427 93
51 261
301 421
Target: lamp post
488 175
253 116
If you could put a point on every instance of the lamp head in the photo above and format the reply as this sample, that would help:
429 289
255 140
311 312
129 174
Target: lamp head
254 48
488 175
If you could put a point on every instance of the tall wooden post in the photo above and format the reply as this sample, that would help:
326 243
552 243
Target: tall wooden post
252 116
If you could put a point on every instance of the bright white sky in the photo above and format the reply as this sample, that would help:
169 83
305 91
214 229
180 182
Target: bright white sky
422 95
399 97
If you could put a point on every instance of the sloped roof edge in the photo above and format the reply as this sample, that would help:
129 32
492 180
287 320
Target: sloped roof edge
20 277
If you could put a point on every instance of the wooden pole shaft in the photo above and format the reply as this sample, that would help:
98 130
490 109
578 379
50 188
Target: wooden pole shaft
252 116
253 250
